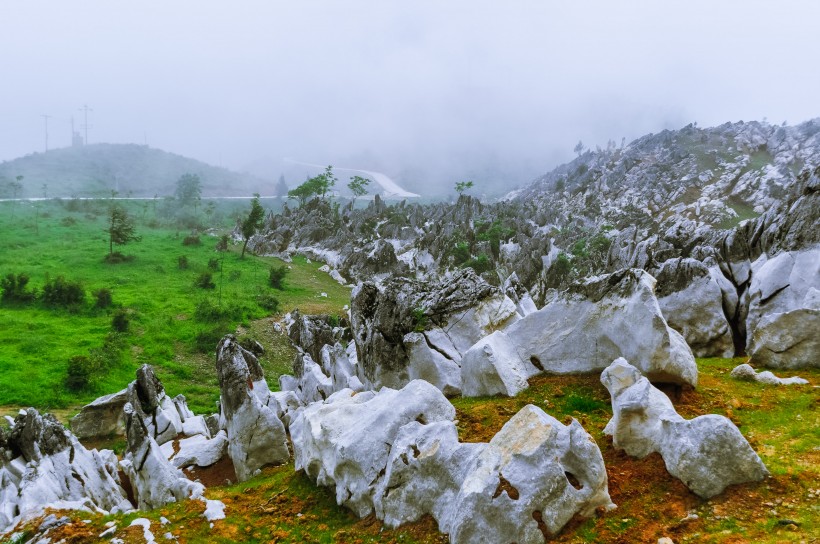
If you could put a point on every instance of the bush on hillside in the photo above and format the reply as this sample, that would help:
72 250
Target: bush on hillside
205 281
103 298
63 293
276 277
15 288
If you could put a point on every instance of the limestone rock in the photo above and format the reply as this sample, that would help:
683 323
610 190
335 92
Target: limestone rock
42 465
102 417
433 366
691 301
746 373
596 321
200 451
256 436
345 441
493 366
706 453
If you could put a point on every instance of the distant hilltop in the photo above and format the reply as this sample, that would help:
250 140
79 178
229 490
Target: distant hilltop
129 169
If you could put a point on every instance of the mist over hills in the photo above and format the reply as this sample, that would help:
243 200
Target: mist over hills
129 169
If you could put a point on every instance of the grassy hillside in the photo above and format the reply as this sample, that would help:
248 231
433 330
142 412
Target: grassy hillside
130 169
160 298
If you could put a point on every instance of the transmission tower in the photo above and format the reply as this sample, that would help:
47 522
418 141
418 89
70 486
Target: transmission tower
85 109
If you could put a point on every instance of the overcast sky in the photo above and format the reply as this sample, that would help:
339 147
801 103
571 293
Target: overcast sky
419 90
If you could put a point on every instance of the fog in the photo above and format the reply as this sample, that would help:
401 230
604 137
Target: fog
427 92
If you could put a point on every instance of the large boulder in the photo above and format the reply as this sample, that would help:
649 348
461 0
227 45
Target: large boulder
452 314
256 436
102 417
746 373
345 441
691 300
523 486
42 465
616 315
494 366
706 453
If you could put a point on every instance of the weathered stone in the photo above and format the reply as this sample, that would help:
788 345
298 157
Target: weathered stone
599 320
493 366
706 453
200 450
746 373
256 436
428 364
102 417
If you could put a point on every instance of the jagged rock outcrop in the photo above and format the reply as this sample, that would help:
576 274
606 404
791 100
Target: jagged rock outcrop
746 373
451 314
256 436
706 453
594 322
345 441
691 300
42 465
515 488
311 332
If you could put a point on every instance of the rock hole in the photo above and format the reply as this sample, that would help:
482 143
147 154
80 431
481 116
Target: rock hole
322 394
125 483
78 478
250 384
416 452
536 362
539 519
504 485
573 481
403 458
421 419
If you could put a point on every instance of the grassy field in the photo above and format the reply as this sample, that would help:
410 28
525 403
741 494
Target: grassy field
161 299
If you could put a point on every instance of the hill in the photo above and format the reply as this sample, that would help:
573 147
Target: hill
130 169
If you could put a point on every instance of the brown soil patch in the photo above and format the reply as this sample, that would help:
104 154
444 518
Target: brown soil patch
218 474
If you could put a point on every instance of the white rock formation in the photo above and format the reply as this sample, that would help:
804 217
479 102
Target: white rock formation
344 442
494 366
427 363
199 450
746 373
523 486
256 437
102 417
706 453
610 316
53 470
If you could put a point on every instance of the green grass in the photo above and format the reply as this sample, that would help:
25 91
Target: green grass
36 342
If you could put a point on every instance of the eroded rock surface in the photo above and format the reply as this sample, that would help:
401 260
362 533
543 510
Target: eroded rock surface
706 453
746 373
256 436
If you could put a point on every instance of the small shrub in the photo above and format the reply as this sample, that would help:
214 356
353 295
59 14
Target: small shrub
208 312
276 277
480 264
14 288
103 298
222 243
62 292
121 320
234 275
68 221
268 302
192 240
182 262
80 369
213 264
205 281
420 319
206 340
109 354
333 320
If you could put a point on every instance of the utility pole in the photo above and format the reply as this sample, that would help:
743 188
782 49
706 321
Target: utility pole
46 118
85 109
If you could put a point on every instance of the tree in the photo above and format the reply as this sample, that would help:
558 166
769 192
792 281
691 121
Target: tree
252 223
317 185
281 187
358 186
579 148
121 228
189 189
16 188
462 186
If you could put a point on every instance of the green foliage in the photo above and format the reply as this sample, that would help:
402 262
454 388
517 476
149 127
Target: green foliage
121 228
79 371
182 262
252 222
494 233
63 293
213 264
15 288
222 243
268 302
579 249
103 298
205 281
420 319
189 189
460 253
462 186
560 270
358 186
315 186
192 240
120 321
276 276
480 263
